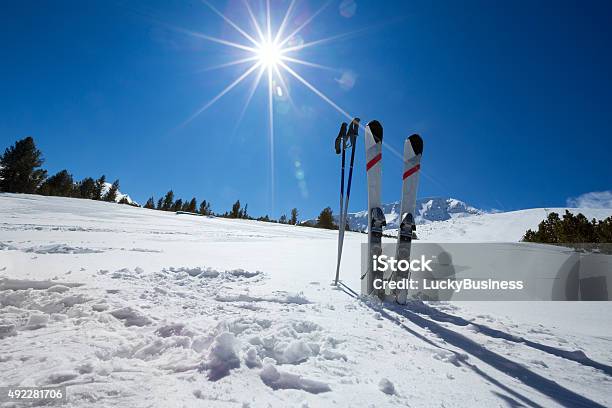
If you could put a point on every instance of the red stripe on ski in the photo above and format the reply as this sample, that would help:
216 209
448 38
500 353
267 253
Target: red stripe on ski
411 171
372 162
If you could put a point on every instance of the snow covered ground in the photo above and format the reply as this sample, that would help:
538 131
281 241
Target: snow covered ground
130 307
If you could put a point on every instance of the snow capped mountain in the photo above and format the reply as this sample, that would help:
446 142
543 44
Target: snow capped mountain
429 209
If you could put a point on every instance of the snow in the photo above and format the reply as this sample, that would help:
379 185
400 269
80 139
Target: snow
276 380
386 386
130 307
498 227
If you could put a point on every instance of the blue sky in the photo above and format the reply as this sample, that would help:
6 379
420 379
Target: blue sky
512 100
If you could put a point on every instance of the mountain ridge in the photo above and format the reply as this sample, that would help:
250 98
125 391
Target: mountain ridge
428 209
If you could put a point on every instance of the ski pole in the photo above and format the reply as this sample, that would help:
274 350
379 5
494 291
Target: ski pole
351 136
341 148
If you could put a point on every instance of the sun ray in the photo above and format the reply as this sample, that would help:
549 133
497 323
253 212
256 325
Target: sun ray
220 94
230 64
284 22
324 40
316 91
207 37
271 135
309 64
343 35
230 22
268 21
217 40
284 85
254 21
250 96
304 24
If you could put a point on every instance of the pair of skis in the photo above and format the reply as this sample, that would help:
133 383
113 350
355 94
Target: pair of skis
347 138
413 151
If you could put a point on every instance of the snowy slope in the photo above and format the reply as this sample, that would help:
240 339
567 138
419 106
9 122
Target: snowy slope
500 227
130 307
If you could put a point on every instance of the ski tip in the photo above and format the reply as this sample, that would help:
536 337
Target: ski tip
417 144
376 129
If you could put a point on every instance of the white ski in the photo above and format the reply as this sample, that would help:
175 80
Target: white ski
413 151
376 217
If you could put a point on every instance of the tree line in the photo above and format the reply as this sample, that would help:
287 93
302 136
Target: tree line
570 229
21 172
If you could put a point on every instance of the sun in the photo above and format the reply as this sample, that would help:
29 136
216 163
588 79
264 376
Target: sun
269 54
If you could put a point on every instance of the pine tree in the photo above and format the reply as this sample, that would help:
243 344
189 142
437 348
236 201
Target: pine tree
150 204
99 188
294 216
192 206
178 205
19 172
235 213
283 219
60 184
603 230
86 188
168 201
124 200
204 208
326 219
160 204
244 213
111 194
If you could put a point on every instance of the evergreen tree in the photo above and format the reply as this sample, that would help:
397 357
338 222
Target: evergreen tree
150 204
204 208
86 188
160 204
19 168
60 184
235 213
326 219
178 205
111 194
244 213
294 216
168 201
570 229
283 219
99 188
265 218
124 200
603 230
192 206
